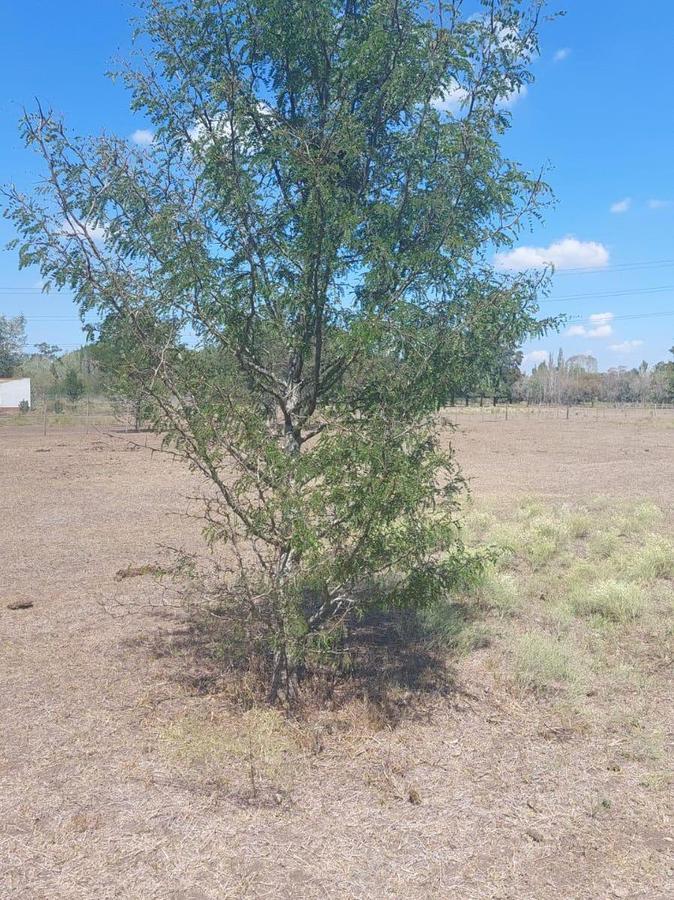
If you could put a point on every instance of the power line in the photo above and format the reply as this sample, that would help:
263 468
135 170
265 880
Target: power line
649 315
571 298
617 267
600 296
652 315
635 265
609 294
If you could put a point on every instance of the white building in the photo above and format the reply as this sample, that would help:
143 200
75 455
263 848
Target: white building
13 391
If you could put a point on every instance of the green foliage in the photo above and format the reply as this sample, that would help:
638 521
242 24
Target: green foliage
12 341
73 386
47 370
47 351
605 544
124 364
293 277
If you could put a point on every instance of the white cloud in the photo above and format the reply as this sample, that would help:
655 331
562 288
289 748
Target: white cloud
569 253
511 99
142 136
534 358
71 228
660 204
621 206
220 126
562 54
601 327
626 346
453 99
600 331
601 318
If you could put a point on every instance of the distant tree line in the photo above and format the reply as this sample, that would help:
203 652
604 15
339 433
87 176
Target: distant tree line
115 366
53 374
567 382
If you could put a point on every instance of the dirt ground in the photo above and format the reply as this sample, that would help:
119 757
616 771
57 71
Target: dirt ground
480 793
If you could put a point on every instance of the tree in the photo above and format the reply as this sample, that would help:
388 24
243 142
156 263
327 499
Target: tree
47 351
301 258
662 381
12 342
124 366
73 386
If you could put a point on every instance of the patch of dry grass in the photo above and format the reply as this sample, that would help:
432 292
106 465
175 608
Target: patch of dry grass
107 780
576 573
652 560
499 592
541 662
617 601
258 744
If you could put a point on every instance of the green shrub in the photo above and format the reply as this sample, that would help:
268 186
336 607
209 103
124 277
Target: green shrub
647 514
478 522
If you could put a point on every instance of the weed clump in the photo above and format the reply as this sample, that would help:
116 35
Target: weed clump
579 525
655 559
610 599
499 593
605 544
541 662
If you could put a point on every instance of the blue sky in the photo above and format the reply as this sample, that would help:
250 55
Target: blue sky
599 116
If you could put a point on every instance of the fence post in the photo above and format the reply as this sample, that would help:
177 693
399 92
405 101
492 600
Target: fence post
44 415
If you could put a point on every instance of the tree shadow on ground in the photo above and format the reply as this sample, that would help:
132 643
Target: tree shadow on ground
389 658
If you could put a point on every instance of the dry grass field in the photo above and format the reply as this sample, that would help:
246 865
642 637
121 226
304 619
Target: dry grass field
534 764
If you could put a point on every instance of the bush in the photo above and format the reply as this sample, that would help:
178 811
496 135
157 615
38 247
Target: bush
73 386
24 406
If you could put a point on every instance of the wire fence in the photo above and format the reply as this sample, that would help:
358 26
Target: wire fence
503 412
87 414
120 415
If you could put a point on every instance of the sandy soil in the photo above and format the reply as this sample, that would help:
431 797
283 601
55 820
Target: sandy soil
517 799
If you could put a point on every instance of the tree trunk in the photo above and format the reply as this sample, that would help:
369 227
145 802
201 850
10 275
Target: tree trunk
284 672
